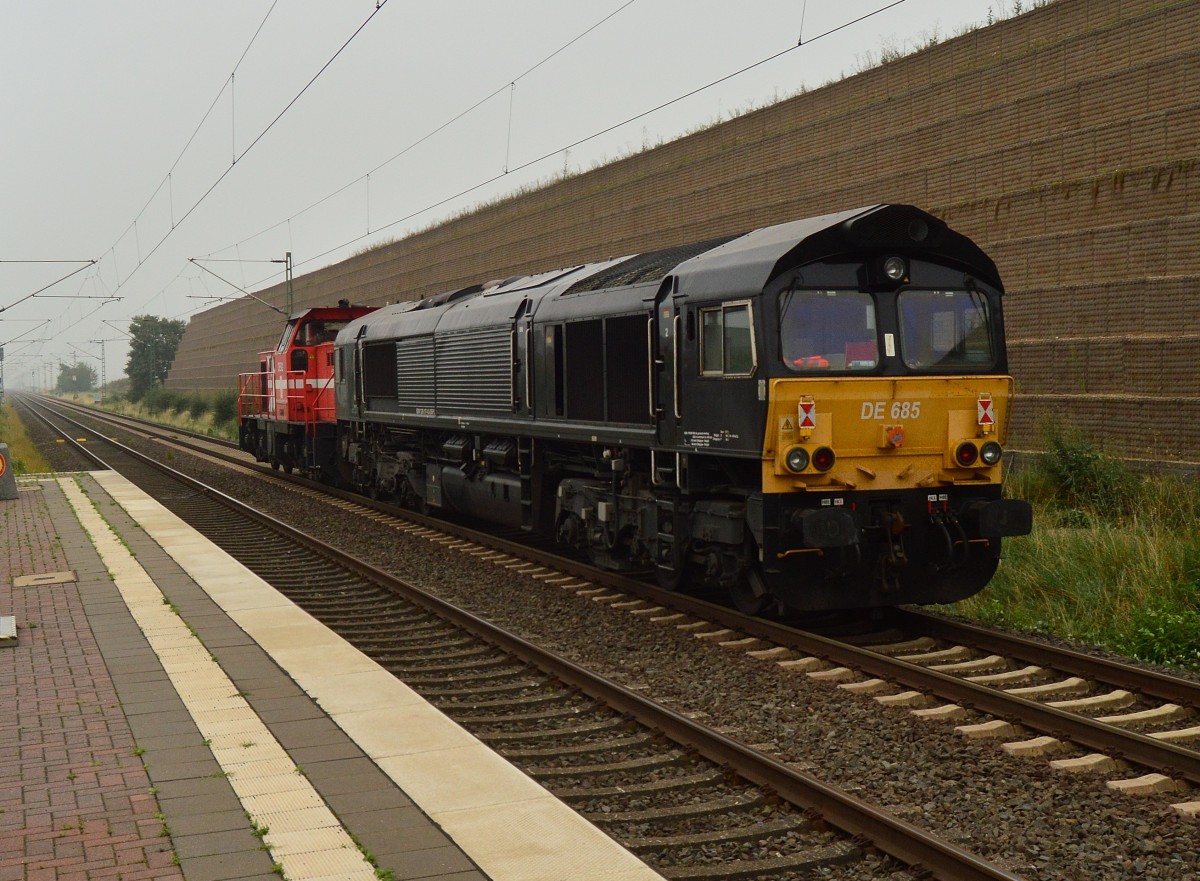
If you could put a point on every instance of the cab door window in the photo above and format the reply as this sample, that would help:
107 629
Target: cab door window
727 340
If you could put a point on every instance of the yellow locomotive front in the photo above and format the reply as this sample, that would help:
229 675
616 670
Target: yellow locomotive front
884 441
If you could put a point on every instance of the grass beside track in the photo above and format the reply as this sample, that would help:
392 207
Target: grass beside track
23 455
1113 560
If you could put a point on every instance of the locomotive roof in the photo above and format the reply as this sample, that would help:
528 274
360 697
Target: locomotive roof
331 312
749 262
647 266
714 268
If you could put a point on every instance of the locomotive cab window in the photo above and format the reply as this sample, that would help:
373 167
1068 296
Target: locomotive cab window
727 341
828 330
946 330
289 330
319 331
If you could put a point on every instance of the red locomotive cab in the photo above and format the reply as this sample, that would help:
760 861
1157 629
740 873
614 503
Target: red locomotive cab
302 387
286 408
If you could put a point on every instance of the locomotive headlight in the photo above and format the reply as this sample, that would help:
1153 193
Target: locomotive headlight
895 268
990 453
966 454
823 458
796 459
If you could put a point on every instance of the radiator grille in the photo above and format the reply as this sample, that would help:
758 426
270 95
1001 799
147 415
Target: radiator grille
474 371
414 380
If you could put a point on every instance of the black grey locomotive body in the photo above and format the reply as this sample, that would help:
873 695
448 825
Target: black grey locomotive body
809 416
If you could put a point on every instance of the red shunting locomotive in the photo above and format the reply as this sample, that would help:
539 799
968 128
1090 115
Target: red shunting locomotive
286 408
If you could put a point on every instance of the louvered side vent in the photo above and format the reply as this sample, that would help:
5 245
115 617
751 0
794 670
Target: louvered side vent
474 371
414 380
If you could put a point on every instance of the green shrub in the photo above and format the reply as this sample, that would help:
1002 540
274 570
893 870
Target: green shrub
198 405
169 400
1085 477
152 401
1163 632
224 407
1123 574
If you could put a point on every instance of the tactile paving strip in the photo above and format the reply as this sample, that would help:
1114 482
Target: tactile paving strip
271 789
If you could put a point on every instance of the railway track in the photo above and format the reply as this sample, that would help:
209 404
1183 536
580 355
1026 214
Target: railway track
844 660
1086 713
691 801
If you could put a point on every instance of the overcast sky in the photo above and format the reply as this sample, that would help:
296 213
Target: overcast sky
142 134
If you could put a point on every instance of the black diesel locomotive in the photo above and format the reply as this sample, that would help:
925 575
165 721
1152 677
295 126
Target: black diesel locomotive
809 416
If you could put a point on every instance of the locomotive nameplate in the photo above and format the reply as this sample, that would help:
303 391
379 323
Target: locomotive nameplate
703 439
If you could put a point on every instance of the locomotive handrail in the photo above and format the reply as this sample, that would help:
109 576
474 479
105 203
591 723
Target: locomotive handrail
315 411
247 397
315 415
360 397
675 367
650 365
289 377
308 396
529 366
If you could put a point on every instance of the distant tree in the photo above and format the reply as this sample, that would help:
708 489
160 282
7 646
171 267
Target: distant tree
152 348
76 378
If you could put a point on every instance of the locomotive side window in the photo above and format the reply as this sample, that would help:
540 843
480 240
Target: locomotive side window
727 341
948 330
626 355
828 330
585 370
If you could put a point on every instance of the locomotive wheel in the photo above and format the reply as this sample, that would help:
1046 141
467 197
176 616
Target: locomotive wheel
749 593
274 464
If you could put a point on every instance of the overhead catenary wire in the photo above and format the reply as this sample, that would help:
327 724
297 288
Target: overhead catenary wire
243 290
496 177
239 156
87 264
41 323
168 179
543 157
120 282
510 84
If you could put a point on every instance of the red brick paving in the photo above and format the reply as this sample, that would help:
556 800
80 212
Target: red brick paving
75 801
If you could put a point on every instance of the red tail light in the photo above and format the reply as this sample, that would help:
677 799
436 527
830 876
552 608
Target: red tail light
823 458
966 454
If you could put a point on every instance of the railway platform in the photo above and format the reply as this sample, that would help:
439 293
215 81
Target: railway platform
168 715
